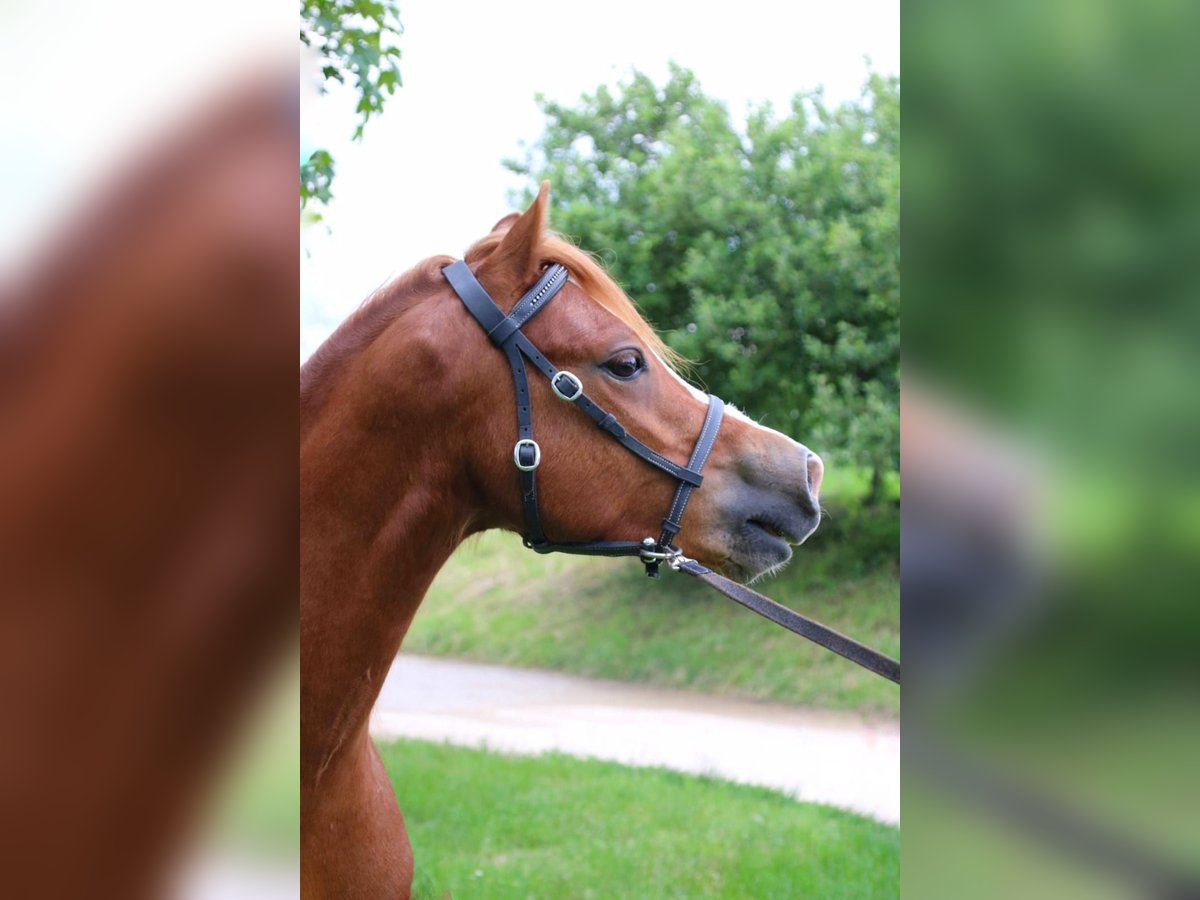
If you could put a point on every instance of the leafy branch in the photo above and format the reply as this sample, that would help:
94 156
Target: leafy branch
355 40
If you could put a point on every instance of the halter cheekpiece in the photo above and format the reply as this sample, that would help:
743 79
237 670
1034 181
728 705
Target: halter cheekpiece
505 332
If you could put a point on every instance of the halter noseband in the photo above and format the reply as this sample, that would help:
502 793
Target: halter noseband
505 332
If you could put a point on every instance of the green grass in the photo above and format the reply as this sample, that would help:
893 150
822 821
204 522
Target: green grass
494 826
498 602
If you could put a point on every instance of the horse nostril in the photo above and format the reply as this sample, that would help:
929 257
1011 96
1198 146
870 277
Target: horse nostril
816 471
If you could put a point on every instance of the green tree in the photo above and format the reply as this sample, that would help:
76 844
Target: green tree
770 255
355 40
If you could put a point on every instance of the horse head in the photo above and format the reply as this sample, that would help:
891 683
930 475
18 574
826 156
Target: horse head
760 488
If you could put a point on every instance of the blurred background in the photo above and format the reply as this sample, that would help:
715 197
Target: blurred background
1050 525
738 173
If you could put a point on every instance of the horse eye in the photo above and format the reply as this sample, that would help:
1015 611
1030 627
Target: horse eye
626 364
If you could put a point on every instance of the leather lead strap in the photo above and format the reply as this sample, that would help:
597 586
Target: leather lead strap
869 659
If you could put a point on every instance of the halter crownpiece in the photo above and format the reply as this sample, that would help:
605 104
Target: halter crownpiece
505 332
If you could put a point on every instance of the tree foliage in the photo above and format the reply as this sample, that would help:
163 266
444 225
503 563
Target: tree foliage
770 255
355 41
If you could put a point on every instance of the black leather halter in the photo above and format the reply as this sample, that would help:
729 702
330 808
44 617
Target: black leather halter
505 332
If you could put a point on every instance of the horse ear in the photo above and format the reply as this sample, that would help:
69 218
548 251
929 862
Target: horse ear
515 262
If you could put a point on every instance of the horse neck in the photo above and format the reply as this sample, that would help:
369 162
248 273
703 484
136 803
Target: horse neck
381 511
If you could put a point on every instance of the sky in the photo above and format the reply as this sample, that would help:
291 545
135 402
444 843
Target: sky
427 177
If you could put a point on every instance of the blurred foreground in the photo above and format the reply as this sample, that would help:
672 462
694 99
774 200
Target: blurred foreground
1050 427
147 466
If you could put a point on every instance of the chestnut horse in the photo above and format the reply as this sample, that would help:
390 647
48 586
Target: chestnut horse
406 448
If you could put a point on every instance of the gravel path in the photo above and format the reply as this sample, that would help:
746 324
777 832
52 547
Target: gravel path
833 758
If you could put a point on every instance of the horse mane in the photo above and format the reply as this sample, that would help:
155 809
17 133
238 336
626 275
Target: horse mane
385 304
365 324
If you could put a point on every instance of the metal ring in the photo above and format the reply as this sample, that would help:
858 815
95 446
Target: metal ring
537 454
574 379
648 553
654 554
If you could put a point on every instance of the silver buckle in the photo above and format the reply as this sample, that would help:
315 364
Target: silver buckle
574 379
537 454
